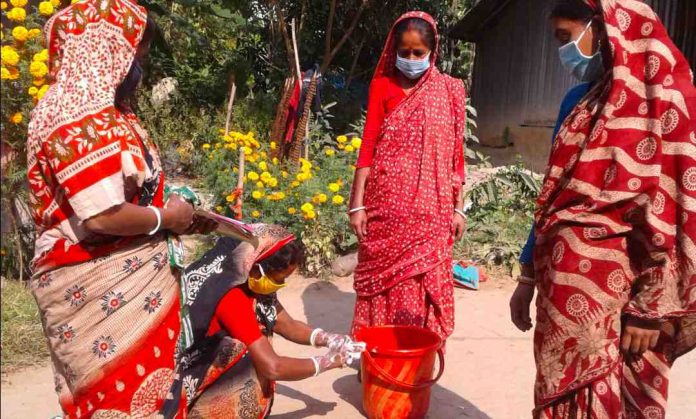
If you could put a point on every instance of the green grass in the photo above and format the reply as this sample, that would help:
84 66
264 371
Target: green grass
23 340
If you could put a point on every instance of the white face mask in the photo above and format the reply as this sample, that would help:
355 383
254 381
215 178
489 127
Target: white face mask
413 69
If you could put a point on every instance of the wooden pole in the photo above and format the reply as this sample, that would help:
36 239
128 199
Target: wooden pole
240 174
294 48
230 102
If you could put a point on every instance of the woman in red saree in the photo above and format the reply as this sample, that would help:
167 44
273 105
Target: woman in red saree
109 301
615 256
406 203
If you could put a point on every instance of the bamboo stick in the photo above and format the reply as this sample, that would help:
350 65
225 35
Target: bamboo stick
294 48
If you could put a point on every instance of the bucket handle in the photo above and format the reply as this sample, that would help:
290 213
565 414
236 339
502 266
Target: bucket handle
399 383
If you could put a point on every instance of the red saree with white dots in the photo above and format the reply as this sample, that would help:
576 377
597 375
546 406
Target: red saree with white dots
109 305
404 272
616 231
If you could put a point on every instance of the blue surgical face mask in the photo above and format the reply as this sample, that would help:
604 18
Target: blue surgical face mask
413 69
582 67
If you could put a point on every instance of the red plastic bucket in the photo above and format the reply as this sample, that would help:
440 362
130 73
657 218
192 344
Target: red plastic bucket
397 370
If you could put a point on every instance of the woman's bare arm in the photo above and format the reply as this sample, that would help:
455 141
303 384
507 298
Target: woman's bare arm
133 220
282 368
358 220
291 329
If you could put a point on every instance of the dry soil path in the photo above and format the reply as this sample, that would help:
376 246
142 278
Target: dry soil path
489 365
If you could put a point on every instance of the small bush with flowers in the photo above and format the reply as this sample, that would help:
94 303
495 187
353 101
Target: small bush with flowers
309 197
24 73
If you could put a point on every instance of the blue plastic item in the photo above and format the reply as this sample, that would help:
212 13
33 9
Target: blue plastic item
466 277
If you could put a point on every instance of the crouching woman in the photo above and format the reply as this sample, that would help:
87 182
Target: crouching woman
231 311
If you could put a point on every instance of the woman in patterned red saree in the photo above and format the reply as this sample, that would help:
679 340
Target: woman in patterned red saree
615 256
406 203
108 299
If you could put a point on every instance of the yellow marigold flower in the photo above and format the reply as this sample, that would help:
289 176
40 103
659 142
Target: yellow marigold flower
20 33
341 139
307 207
9 56
74 1
33 91
334 187
356 142
275 161
266 177
42 92
218 146
38 82
6 74
337 199
308 176
301 177
17 14
273 145
38 69
284 174
257 195
253 176
292 211
310 215
263 166
330 151
18 3
206 146
280 195
46 8
273 182
255 214
55 3
16 118
352 166
295 184
33 33
229 198
264 155
219 208
316 199
3 5
260 185
247 150
341 146
349 148
322 198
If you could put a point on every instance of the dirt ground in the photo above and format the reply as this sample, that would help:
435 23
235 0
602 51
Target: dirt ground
489 368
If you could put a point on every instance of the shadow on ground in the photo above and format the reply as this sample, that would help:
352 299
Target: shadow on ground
337 317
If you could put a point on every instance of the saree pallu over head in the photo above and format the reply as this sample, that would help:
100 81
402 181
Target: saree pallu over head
109 306
413 184
616 217
83 155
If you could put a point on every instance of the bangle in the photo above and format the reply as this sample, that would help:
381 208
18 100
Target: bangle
316 365
313 337
526 280
159 220
354 210
460 212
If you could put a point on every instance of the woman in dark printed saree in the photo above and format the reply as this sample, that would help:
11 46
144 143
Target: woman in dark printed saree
108 299
615 252
230 311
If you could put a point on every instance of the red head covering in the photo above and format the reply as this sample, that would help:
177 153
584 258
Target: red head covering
615 218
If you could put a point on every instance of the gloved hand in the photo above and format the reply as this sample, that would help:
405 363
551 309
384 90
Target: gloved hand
328 340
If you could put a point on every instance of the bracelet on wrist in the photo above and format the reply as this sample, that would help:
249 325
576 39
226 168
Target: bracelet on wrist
316 365
313 337
460 212
357 209
158 214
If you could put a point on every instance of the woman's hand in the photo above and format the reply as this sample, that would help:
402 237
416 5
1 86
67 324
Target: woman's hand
639 335
358 220
201 225
520 302
458 226
177 215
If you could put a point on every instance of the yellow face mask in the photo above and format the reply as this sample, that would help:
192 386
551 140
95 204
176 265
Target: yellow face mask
264 285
